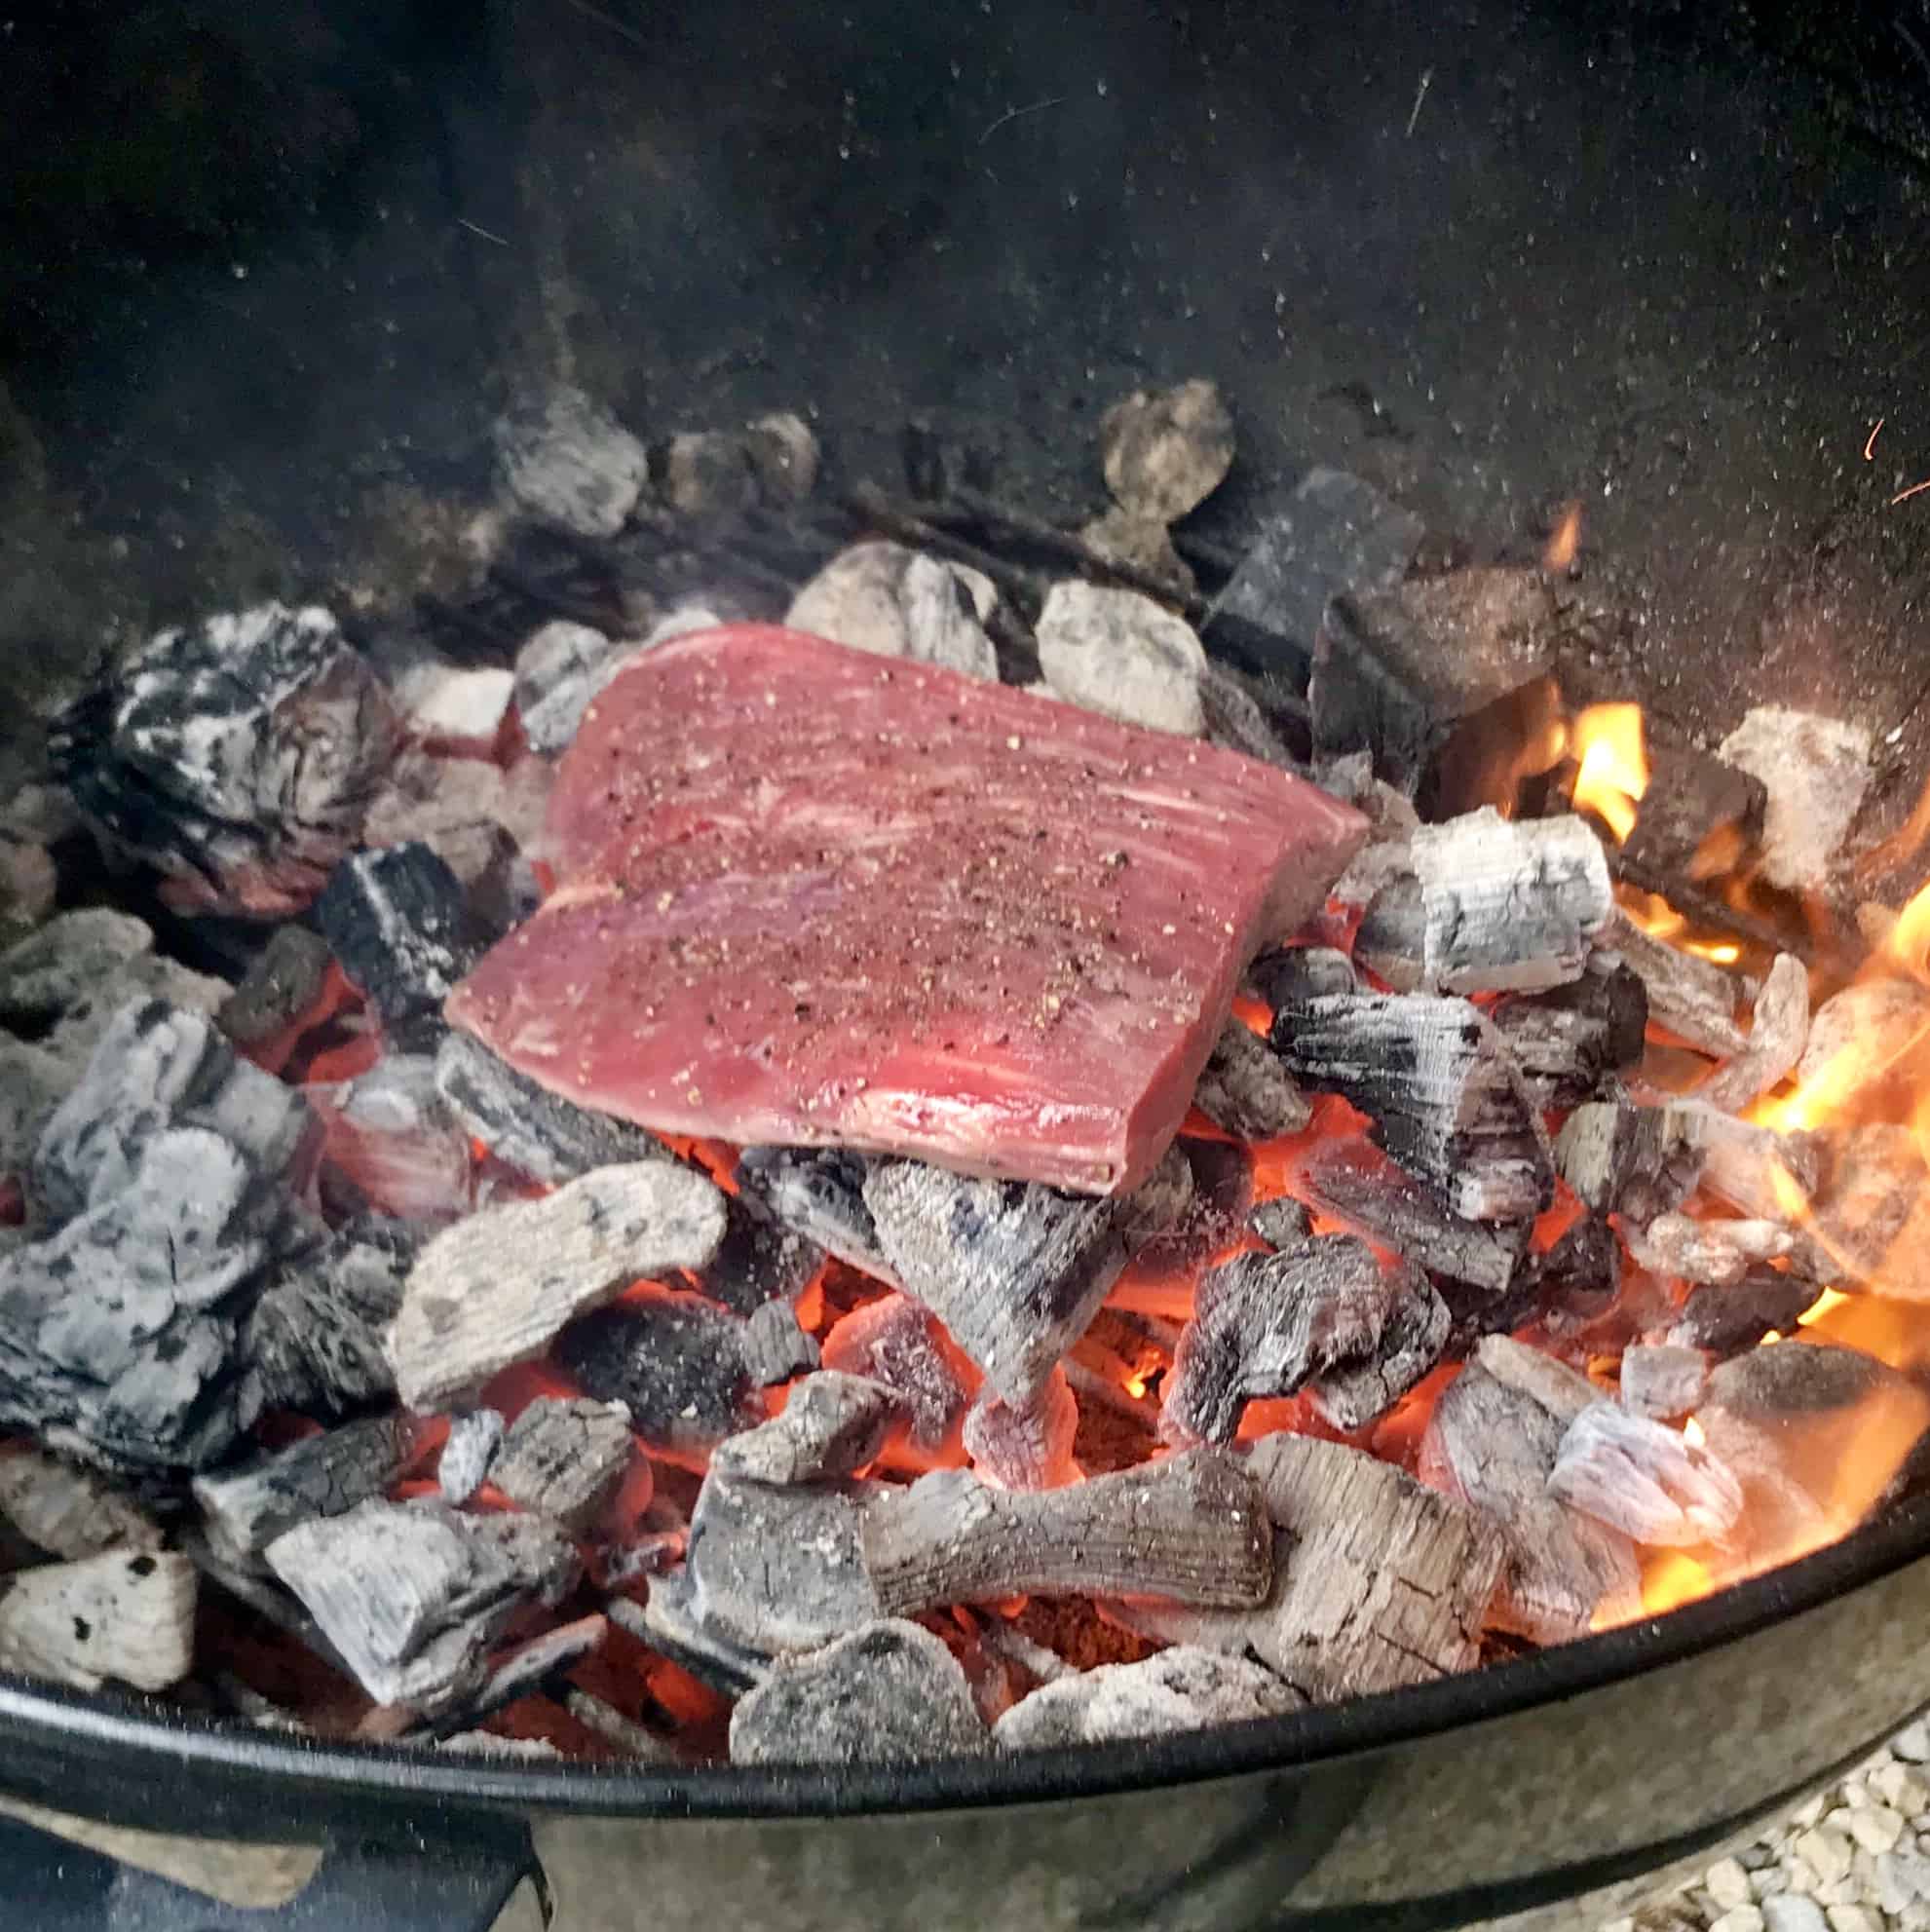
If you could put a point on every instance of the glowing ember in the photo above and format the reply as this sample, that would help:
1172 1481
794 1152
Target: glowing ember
1565 540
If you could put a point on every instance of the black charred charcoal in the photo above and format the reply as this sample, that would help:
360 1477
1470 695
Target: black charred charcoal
1726 1320
1244 1089
247 1508
1694 801
282 987
313 1342
761 1261
1301 972
1581 1274
817 1192
1613 994
1412 1341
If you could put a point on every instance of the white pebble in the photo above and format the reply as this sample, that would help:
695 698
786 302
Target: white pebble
1899 1785
1790 1913
1740 1919
1908 1868
1913 1743
1875 1827
1726 1882
1826 1852
1801 1877
1769 1882
1800 1821
1839 1891
1853 1919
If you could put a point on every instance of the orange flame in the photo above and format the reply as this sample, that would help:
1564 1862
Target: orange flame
1607 743
1565 540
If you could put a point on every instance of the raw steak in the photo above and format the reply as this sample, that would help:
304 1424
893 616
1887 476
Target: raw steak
811 897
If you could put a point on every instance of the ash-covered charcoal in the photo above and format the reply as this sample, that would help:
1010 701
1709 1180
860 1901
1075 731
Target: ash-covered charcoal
1377 1580
1293 975
819 1193
1565 1056
1245 1088
1191 1527
1509 905
1643 1162
1644 1479
1663 1381
1610 995
1693 799
33 1086
563 1459
474 1439
496 1288
1777 1035
1266 1324
480 820
245 1509
1392 942
1872 1215
1494 1447
831 1425
902 1343
1718 1253
1014 1269
1118 653
1437 1079
400 925
29 883
1413 1340
566 460
1580 1275
1239 720
412 1595
1870 1040
526 1126
314 1342
706 473
896 603
1689 996
560 671
1281 1223
235 756
126 1617
667 1622
784 456
45 975
1165 451
1815 770
1028 1445
391 1146
888 1693
1182 1689
1210 1217
460 712
761 1260
70 1512
1562 1391
1350 1178
283 987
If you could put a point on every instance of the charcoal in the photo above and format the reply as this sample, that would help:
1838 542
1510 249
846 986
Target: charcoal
1210 1218
413 1594
832 1425
1413 1340
560 671
1580 1275
896 603
475 1437
44 976
760 1260
1716 1253
1026 1447
819 1193
1564 1055
1281 1223
390 1144
1688 997
1182 1689
1244 1089
784 456
1445 1096
1646 1480
1118 653
899 1343
1777 1035
235 756
1237 720
1642 1161
400 923
635 1741
888 1693
563 1459
1693 803
313 1339
1266 1324
1191 1527
1664 1381
1350 1178
566 460
1866 1042
1335 533
1392 942
1509 905
1377 1580
1815 771
1166 451
1608 993
456 710
1564 1392
477 818
528 1671
527 1128
1872 1215
1015 1271
775 1348
278 991
69 1511
32 1084
668 1623
247 1508
1298 973
496 1288
1494 1447
29 885
707 473
127 1616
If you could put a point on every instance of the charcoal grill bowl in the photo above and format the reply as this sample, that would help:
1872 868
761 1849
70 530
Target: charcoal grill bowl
1508 1791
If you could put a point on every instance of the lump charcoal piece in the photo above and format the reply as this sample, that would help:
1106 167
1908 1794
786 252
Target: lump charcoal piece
1166 451
1510 905
1581 1274
1014 1272
819 1193
126 1617
1391 941
1413 1340
1301 972
832 1425
1446 1099
1642 1161
667 1622
478 820
1872 1215
46 974
1716 1253
33 1086
784 456
902 1343
1646 1480
776 1346
1265 1325
473 1442
1102 1036
69 1511
496 1288
388 1142
1815 770
1564 1055
1025 1447
246 1508
1205 1219
893 602
1545 1378
413 1595
760 1260
400 925
1663 1381
1868 1043
1182 1689
1609 993
560 671
1244 1089
1282 1222
29 885
888 1693
564 1459
526 1126
236 756
1689 996
314 1342
1239 720
565 459
1118 653
1777 1034
1692 797
281 988
707 473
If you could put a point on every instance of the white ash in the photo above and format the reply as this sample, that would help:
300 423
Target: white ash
447 704
126 1617
565 458
1777 1036
1562 1391
1717 1252
1663 1381
1816 771
1644 1479
70 1512
473 1438
1118 653
896 603
1182 1689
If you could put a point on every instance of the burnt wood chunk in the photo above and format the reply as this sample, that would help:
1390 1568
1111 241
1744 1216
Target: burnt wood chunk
1027 1446
563 1459
1664 1379
1777 1035
1495 1447
1508 905
1564 1055
527 1128
1413 1340
1695 804
1014 1269
760 1260
1301 972
1608 992
1689 996
1282 1222
1871 1225
831 1425
1438 1082
1182 1689
1642 1161
1545 1378
471 1448
413 1594
68 1511
888 1693
668 1623
282 987
1378 1580
126 1617
1244 1089
1191 1527
1647 1481
1392 942
245 1509
45 975
819 1193
902 1343
1716 1253
496 1288
1580 1275
314 1341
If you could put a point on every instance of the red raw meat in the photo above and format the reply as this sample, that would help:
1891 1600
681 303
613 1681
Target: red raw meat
809 895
